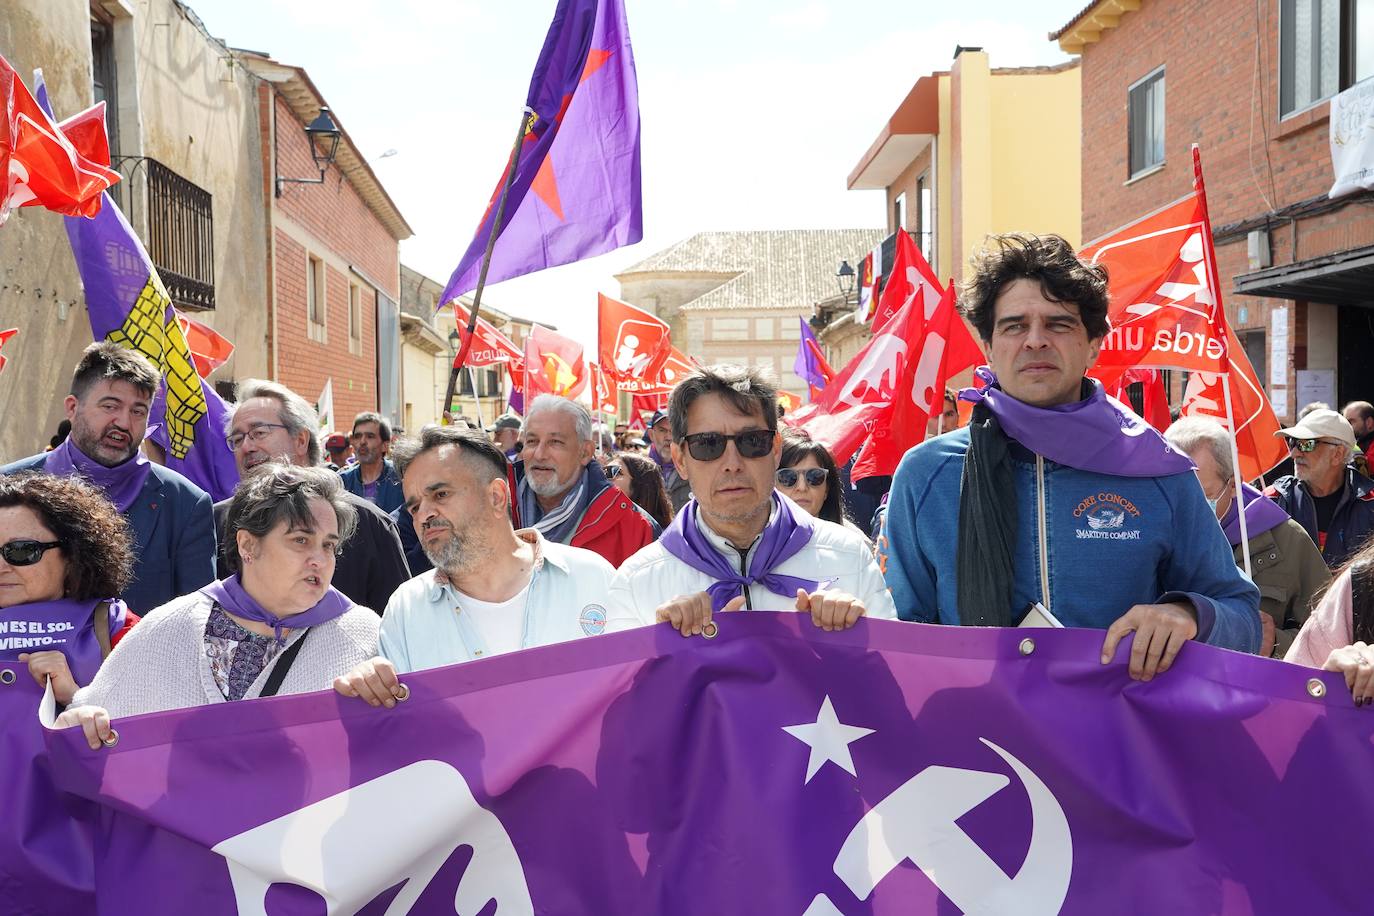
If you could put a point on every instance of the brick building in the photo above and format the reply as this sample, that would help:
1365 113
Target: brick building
1251 84
333 256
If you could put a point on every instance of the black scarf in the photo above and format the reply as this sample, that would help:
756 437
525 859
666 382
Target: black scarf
987 526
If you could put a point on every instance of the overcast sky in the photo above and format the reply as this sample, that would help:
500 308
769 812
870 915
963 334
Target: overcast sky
753 111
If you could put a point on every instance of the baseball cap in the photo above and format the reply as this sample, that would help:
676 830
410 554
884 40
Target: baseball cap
335 442
506 421
658 417
1322 424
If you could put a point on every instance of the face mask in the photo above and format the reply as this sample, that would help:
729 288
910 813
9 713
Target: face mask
1212 504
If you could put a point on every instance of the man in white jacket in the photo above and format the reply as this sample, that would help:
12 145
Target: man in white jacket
738 544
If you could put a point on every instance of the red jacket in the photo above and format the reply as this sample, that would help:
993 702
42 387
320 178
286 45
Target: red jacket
612 526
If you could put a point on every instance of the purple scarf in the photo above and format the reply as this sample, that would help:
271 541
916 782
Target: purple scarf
230 595
121 483
1098 433
788 531
63 626
1261 514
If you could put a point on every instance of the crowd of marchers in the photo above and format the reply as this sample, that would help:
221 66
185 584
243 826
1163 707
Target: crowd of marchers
352 561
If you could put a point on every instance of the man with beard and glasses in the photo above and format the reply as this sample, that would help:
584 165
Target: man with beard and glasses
270 422
174 532
1055 494
493 589
562 490
738 543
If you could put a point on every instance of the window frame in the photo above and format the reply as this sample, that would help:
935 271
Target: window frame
1155 76
1345 64
316 279
355 318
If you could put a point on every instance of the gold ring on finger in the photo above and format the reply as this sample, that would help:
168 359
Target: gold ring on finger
710 629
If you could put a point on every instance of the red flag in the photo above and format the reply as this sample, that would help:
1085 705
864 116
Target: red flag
1256 445
489 346
605 394
554 365
788 401
209 348
910 280
64 167
888 390
947 348
641 404
1167 312
1155 406
633 343
5 336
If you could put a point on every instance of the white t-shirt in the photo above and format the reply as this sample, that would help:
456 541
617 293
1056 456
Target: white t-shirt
502 625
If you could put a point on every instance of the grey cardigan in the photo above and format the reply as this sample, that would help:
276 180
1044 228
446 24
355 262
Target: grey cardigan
161 663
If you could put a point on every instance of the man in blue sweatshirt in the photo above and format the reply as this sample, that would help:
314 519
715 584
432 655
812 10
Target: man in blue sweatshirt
1055 494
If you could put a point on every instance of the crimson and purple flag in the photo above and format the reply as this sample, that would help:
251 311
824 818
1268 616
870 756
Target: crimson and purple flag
891 768
810 363
127 303
576 190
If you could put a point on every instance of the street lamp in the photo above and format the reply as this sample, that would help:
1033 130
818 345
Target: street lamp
845 277
323 135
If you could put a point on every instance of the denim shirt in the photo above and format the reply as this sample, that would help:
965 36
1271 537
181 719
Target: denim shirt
424 625
1108 543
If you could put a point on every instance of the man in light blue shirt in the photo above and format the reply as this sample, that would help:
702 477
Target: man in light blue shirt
493 589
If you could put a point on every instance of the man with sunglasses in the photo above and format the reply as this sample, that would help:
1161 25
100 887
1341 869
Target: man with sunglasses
1331 500
738 544
174 534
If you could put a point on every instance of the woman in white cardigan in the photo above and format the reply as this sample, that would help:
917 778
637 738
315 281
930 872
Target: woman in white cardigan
275 626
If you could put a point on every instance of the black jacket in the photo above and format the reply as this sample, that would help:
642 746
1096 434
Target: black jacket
371 565
1351 524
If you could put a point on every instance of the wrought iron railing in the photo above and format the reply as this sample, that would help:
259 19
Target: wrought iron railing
181 236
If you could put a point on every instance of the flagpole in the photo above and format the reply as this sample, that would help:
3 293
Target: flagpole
1236 475
472 375
525 115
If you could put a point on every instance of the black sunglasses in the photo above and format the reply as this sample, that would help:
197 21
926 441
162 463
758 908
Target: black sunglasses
26 552
788 477
754 443
1305 445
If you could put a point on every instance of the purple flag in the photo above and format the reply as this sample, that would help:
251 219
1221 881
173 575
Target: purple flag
808 362
127 303
891 768
576 187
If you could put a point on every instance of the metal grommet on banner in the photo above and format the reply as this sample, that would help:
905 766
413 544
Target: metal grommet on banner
1316 688
404 694
112 740
710 630
7 676
1027 646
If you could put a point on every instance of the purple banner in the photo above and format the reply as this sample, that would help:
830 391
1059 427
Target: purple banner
46 866
893 768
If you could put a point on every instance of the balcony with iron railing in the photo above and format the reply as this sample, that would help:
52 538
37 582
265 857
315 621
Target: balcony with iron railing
179 220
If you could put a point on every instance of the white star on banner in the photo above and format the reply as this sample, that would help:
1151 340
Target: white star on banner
829 740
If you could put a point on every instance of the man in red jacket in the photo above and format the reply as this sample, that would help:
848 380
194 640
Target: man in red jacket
562 491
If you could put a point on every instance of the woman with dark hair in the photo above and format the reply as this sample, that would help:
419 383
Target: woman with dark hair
1339 633
64 561
275 625
638 477
807 475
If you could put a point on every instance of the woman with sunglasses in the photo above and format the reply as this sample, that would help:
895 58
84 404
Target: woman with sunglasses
274 626
638 477
64 560
807 475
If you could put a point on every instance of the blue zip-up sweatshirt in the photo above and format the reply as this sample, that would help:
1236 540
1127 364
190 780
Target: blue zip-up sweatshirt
1111 543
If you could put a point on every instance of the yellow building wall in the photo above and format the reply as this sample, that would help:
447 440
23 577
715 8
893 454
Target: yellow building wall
972 152
1035 160
419 382
945 265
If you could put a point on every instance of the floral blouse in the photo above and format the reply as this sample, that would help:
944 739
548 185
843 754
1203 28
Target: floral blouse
236 656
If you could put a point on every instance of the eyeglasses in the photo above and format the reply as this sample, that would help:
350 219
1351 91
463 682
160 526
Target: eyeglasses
753 443
787 478
614 470
27 552
1307 445
255 435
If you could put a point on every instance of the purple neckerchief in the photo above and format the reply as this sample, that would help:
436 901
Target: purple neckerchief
1261 514
62 626
1098 433
230 595
787 532
121 483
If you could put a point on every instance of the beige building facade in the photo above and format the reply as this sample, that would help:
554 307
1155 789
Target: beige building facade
184 134
740 297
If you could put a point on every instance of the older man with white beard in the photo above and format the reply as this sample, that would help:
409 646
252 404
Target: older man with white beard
493 589
562 491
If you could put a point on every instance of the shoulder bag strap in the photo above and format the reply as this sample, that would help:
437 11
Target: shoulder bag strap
282 666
